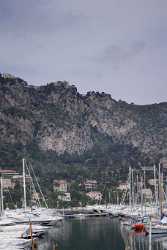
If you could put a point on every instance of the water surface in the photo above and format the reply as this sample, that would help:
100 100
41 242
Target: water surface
96 234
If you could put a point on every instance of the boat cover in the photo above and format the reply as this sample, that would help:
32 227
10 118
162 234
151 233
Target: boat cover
164 220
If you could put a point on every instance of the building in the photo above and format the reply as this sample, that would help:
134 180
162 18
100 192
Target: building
95 195
65 197
7 75
35 196
7 183
60 186
7 175
147 194
152 182
10 178
123 186
90 185
19 179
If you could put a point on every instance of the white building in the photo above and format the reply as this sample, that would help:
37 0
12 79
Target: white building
123 186
7 75
7 183
90 185
147 193
60 186
64 197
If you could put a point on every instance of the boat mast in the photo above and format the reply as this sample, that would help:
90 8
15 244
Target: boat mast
150 234
109 197
24 186
160 190
141 186
137 188
2 204
130 188
155 186
132 184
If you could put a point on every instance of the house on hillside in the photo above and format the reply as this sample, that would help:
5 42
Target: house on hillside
123 186
18 179
64 197
147 194
90 185
95 195
7 178
60 186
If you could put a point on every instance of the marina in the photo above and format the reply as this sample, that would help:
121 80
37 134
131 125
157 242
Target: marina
18 236
83 125
135 220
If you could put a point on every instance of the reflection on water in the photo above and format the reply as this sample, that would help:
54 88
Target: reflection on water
97 234
135 241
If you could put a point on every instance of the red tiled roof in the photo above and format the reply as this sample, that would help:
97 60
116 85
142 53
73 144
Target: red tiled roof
60 181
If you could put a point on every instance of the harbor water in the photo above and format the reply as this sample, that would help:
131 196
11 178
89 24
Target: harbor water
96 234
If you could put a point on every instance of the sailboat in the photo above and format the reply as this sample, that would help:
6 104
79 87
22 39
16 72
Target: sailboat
159 224
4 220
37 215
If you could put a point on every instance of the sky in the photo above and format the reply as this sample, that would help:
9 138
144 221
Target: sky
115 46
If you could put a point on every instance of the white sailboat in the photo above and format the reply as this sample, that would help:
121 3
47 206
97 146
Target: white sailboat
38 215
4 220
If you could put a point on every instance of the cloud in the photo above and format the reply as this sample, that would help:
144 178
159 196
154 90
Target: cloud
112 45
117 55
20 17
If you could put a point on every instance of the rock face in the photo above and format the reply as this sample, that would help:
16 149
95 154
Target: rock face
75 140
55 117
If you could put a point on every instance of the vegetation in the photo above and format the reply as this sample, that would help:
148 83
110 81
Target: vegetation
30 114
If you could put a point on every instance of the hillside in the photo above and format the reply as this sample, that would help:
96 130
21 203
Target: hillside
66 134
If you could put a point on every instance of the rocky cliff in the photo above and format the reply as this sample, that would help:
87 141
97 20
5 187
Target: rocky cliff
56 118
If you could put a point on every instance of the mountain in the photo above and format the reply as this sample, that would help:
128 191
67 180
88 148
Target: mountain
65 132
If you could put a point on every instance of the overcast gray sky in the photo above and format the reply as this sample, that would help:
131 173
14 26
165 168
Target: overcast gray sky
116 46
